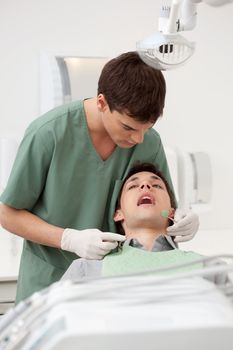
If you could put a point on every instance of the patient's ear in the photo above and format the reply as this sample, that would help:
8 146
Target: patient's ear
118 216
172 213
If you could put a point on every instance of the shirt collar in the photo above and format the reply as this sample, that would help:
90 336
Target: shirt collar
163 242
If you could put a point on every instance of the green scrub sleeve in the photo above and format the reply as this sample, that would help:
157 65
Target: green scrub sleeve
28 174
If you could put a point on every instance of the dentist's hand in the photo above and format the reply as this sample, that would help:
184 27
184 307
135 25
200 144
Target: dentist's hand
90 243
185 226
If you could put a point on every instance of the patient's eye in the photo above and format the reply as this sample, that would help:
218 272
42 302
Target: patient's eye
158 186
132 186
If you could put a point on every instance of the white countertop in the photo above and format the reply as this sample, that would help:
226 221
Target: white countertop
211 242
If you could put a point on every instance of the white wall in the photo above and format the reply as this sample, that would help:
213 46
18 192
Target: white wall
198 109
199 106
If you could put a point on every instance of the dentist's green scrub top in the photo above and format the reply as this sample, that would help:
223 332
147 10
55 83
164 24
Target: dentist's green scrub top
59 176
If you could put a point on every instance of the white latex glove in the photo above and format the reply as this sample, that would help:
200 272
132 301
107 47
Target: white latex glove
185 225
90 243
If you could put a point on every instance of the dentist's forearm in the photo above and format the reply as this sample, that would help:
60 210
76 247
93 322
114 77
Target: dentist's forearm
30 226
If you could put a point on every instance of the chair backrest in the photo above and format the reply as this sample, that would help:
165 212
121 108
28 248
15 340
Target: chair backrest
172 160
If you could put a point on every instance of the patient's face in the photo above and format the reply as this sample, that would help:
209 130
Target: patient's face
144 197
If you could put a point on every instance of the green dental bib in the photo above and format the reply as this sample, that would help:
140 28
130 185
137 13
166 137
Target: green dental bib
130 260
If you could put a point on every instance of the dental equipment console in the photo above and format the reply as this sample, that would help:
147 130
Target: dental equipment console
163 308
167 49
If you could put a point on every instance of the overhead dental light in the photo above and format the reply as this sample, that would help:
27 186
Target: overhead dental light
167 49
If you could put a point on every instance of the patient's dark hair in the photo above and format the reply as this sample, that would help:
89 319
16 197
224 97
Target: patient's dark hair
131 86
139 167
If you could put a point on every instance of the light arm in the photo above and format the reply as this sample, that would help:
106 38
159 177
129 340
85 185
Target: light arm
183 14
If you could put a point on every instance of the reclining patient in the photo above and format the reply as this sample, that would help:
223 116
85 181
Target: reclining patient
145 209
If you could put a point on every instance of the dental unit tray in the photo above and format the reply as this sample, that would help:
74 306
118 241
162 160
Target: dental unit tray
158 309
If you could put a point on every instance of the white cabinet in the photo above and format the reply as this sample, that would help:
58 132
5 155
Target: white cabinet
10 252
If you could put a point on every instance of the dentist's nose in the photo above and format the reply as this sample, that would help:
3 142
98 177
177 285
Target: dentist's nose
138 138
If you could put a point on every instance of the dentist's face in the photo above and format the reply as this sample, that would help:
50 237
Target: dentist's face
144 196
124 131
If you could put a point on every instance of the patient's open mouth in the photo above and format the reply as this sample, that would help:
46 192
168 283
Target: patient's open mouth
146 199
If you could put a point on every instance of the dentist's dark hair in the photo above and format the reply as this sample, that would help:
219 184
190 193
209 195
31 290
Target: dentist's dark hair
131 86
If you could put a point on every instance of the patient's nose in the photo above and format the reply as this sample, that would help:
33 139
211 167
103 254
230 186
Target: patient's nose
145 185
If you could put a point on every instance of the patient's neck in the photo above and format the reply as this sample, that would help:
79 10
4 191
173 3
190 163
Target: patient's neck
145 236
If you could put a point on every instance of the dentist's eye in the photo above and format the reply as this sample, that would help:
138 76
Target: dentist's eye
128 128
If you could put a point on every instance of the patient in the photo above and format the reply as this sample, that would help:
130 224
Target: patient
144 199
145 209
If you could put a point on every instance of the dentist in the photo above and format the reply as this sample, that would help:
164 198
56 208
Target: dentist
70 165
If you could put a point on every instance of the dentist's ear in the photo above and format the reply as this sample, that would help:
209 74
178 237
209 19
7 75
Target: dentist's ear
102 104
118 216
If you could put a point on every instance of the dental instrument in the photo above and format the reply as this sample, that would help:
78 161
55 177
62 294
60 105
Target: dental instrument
165 214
